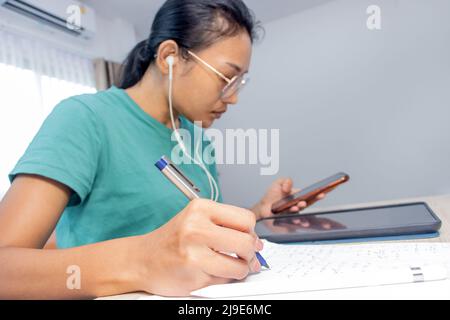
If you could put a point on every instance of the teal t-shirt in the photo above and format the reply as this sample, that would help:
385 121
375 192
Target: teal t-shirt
104 147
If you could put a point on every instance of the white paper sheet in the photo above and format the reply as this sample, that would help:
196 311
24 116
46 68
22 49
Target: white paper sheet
297 268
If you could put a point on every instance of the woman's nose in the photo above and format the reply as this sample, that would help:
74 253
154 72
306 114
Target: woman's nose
232 99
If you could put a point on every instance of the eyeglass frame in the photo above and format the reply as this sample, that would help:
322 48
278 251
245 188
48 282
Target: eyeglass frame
241 85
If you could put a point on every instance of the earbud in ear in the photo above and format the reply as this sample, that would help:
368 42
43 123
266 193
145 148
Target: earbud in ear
170 60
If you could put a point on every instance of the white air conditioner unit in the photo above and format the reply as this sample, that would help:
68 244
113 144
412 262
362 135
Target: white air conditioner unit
69 16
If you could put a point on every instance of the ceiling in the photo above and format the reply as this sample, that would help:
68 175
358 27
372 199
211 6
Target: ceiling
141 12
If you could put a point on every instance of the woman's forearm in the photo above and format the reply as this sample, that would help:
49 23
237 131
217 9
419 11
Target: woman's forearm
100 269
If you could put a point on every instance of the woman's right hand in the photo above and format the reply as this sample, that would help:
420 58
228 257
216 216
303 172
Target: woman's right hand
193 249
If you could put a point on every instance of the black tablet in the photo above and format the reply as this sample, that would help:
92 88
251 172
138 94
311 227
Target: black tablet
379 221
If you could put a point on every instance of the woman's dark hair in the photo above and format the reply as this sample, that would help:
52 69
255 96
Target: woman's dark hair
193 25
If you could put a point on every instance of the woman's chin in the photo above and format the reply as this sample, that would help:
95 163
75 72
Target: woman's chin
208 124
207 121
215 116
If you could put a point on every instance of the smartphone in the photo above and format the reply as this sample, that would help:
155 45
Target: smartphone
310 193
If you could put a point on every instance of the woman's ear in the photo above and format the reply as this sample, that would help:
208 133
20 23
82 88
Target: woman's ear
167 49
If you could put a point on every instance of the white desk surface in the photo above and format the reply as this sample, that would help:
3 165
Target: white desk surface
426 290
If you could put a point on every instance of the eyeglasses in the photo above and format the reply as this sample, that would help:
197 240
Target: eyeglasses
234 85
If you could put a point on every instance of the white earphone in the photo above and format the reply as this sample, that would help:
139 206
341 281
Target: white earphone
170 61
214 190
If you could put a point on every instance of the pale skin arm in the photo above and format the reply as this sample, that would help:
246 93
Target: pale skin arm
185 254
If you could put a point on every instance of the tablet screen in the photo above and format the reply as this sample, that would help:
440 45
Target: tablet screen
360 219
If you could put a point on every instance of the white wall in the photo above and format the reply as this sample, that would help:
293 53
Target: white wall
375 104
115 39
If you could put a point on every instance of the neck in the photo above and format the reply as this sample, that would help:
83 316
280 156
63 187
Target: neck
150 95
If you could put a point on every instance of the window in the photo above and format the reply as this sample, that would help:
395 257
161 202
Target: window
33 79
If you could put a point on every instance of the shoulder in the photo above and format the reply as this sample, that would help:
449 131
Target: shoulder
86 109
84 103
76 116
76 107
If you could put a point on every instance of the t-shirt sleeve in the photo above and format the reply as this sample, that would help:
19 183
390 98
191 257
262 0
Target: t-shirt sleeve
65 149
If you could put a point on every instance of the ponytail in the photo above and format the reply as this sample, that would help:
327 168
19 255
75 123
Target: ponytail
136 64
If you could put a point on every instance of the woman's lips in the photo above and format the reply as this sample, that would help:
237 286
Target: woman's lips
218 114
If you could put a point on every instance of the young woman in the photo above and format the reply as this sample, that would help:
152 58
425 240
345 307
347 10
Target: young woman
120 225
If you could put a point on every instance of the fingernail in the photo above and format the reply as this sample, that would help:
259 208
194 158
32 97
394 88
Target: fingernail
256 266
259 245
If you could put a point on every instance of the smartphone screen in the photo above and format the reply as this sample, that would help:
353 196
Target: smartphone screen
286 202
319 185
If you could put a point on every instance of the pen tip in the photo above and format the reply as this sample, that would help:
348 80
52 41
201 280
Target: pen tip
262 261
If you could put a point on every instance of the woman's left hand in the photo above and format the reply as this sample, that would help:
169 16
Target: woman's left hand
279 189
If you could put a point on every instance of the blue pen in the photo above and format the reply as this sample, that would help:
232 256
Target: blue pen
261 260
186 186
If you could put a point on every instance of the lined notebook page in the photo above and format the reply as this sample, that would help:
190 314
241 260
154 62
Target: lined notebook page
297 268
